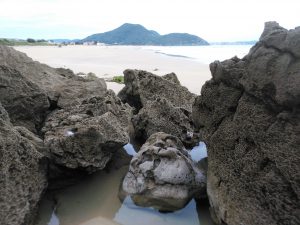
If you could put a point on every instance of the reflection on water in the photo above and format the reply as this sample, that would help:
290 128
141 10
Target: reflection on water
54 219
130 149
94 201
130 214
198 152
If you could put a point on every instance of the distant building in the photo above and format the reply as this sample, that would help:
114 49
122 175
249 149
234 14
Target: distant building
89 43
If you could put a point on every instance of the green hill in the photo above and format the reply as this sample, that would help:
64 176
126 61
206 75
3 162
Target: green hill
135 34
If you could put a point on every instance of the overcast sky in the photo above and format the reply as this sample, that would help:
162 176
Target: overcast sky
213 20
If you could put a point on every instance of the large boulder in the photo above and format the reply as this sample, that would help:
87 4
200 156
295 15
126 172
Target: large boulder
249 117
75 89
26 103
86 136
162 175
141 87
161 104
161 116
28 89
22 173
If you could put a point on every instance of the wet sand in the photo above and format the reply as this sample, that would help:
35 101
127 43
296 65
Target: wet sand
109 61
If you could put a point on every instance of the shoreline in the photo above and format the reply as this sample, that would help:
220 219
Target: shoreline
109 61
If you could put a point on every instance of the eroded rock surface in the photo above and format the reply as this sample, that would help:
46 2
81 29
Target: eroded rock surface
86 136
28 88
26 103
22 174
249 117
162 175
161 116
141 87
161 105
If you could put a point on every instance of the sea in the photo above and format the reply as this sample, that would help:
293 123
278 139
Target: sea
203 54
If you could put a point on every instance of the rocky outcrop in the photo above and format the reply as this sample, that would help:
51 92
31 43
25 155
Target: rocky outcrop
81 125
28 88
162 175
22 173
77 88
249 117
161 116
86 136
161 104
141 87
26 103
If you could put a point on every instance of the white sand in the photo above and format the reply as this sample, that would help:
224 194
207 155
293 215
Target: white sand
109 61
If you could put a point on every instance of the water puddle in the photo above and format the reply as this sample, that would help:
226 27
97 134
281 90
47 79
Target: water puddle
198 152
94 201
130 214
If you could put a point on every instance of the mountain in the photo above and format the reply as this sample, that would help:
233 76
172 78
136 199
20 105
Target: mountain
135 34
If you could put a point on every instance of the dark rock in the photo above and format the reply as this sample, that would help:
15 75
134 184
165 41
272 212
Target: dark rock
65 72
119 159
171 77
28 88
86 136
22 174
77 89
161 104
161 116
162 175
25 102
141 87
248 115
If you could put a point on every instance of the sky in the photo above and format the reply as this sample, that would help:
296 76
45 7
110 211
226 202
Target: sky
212 20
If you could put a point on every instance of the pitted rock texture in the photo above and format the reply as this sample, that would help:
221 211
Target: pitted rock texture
86 136
162 175
141 87
28 89
22 174
248 115
161 104
25 102
161 116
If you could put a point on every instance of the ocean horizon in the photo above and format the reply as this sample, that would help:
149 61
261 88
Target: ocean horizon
203 54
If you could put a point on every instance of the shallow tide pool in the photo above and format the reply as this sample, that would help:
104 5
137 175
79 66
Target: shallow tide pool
94 201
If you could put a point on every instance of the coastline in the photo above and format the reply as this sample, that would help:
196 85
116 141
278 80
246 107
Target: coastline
109 61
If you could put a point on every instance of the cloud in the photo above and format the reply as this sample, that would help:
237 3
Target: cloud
214 20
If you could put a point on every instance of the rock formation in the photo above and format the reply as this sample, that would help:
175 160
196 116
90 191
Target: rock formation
26 103
80 125
161 116
161 104
28 88
22 173
142 86
248 114
86 136
162 175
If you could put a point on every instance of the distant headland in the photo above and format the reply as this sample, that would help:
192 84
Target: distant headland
136 34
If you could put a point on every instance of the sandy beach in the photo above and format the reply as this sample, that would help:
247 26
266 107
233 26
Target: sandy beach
109 61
